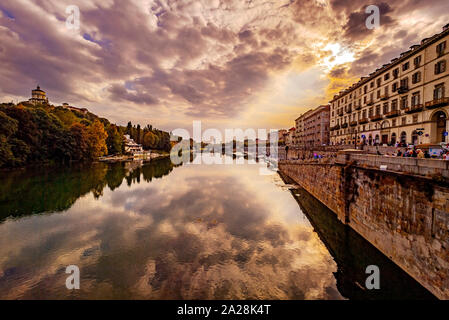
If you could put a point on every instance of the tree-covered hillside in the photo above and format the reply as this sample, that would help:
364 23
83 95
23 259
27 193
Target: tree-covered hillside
35 134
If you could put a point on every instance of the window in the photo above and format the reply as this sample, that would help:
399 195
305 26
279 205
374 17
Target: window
365 89
394 105
370 113
405 66
404 121
416 77
417 61
377 110
394 122
396 73
371 84
378 94
438 93
364 99
415 118
385 108
394 87
441 48
415 99
379 82
387 76
404 83
440 67
386 90
404 102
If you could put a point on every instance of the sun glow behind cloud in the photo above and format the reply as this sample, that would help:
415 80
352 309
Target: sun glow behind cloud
339 56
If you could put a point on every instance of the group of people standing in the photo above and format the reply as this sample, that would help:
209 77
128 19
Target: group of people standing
413 152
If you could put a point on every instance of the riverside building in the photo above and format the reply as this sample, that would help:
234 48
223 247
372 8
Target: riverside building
405 101
312 127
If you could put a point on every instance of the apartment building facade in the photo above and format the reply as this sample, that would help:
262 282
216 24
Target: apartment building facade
404 101
312 127
290 136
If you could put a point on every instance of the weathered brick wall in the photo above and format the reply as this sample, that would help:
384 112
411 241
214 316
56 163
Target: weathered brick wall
406 217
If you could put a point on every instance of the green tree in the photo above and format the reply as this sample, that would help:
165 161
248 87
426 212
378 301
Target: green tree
149 140
79 142
114 140
138 134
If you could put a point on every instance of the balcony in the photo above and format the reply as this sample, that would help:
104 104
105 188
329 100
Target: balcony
393 114
340 112
337 127
436 103
348 110
344 125
357 107
413 109
370 102
402 89
376 117
363 120
384 97
353 123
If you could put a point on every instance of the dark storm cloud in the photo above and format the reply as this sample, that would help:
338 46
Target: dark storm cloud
355 28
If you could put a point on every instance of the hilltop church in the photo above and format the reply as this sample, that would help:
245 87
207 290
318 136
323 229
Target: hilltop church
38 96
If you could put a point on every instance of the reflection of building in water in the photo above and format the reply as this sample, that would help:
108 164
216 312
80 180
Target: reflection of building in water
133 165
353 254
38 96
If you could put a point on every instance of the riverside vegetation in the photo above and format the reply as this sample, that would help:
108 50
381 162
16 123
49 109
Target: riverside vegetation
47 134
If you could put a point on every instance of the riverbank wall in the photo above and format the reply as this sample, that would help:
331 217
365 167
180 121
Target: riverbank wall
402 209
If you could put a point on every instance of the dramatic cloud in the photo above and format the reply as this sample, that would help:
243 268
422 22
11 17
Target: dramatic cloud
168 62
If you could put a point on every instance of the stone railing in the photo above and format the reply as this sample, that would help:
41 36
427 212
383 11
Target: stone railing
413 166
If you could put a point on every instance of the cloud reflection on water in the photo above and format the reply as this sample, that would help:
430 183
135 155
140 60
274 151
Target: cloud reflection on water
209 232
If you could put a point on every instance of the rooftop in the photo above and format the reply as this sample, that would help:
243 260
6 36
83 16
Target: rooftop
394 62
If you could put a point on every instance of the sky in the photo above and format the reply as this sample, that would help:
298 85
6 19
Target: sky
228 63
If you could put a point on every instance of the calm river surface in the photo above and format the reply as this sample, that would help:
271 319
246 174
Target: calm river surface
189 232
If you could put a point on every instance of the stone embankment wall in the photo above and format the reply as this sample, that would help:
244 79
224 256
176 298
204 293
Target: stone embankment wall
405 216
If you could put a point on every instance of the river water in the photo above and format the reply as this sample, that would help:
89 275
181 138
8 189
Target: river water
156 231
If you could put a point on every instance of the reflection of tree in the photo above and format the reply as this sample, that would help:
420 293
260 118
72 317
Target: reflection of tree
53 189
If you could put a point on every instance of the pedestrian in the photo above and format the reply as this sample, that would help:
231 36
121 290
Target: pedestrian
420 154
